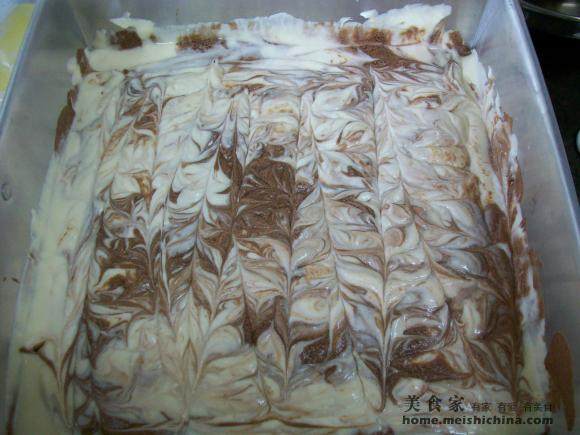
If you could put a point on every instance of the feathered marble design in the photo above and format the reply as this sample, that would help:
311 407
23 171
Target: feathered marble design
278 225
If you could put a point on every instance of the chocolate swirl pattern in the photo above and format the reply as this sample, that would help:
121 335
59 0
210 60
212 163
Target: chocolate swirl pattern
442 264
283 226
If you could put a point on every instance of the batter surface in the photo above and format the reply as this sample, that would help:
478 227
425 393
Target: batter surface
277 225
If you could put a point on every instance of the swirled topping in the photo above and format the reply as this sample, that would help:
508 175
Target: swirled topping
275 225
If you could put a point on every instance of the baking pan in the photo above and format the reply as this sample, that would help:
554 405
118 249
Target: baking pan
495 28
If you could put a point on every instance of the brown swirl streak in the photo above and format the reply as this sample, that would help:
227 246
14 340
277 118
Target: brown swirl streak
362 305
401 350
268 207
75 335
170 360
331 339
436 268
250 328
336 339
184 268
510 178
379 192
80 348
215 241
507 276
110 313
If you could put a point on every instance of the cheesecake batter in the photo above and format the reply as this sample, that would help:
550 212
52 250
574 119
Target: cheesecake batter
277 225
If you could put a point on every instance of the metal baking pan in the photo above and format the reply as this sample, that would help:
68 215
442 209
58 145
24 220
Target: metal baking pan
495 28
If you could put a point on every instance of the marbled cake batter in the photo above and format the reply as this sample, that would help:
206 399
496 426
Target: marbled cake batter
274 225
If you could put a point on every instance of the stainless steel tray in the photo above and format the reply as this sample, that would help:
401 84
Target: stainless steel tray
495 27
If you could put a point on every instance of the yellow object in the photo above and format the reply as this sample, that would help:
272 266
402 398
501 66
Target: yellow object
12 32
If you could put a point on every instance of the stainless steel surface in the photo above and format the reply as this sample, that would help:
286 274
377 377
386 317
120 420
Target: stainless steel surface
560 17
495 27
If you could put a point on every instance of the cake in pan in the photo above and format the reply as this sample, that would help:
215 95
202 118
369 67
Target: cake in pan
273 225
